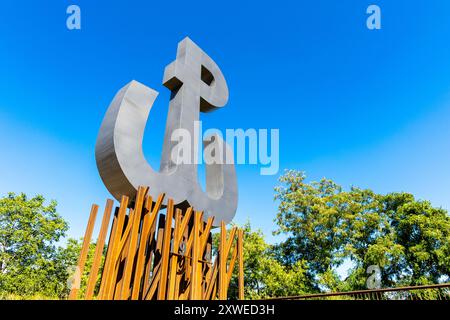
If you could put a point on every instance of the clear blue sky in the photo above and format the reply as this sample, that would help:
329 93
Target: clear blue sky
366 108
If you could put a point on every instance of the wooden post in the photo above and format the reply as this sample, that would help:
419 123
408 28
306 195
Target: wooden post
222 261
147 226
240 246
98 255
134 229
196 276
84 252
107 265
110 271
165 252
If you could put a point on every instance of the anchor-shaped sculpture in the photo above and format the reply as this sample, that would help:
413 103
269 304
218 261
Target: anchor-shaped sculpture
196 84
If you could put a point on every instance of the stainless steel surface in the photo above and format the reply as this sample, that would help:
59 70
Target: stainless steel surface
196 84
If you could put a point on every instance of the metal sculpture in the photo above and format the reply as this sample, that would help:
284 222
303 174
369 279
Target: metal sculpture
151 255
197 85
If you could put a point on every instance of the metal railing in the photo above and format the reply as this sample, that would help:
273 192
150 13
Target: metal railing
426 292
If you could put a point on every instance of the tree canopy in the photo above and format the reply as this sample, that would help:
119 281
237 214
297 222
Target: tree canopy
31 263
325 225
264 275
29 230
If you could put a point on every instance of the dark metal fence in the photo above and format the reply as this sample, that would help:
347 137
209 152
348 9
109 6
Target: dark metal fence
427 292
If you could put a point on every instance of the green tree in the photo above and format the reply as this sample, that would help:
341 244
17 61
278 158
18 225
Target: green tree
264 276
65 262
325 225
29 230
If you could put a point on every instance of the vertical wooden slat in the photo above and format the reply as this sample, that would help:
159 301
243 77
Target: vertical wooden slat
213 280
231 266
129 263
222 262
112 235
111 271
199 261
240 245
165 252
195 294
149 256
122 255
159 241
230 241
207 266
214 291
181 276
153 287
92 281
188 262
227 248
149 221
84 252
206 233
174 258
186 219
152 246
141 246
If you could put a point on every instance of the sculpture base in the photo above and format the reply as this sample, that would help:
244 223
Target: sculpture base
155 256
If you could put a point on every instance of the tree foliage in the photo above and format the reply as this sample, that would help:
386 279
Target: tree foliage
67 259
29 230
325 226
264 275
32 266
